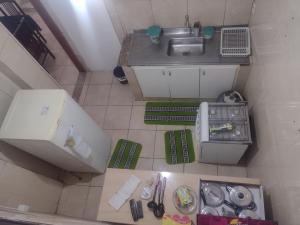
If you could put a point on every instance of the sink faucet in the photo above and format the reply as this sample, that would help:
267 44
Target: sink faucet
187 21
187 24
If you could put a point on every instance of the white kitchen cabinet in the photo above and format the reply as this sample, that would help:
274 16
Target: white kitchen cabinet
203 81
216 79
153 81
174 82
184 82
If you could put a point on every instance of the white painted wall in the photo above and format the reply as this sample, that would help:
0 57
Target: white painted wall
89 30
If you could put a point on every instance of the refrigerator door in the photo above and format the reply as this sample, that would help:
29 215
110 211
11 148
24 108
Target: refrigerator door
91 144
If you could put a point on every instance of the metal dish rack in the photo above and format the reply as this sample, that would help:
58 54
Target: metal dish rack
235 42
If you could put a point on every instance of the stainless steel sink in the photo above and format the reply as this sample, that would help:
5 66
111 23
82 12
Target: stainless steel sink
186 46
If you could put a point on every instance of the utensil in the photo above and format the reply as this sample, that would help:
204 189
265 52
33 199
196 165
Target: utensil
240 196
214 195
140 209
152 204
235 208
133 209
203 197
207 210
246 213
160 210
228 213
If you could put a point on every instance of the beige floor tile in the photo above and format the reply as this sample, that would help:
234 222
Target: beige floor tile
144 164
101 77
170 127
137 119
73 200
82 95
61 58
232 171
146 138
97 180
120 95
69 75
97 95
2 165
97 113
56 71
159 151
92 203
115 81
69 62
117 117
70 178
201 168
161 165
115 135
139 103
69 88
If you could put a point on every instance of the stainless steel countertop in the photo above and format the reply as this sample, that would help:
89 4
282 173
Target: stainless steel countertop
142 52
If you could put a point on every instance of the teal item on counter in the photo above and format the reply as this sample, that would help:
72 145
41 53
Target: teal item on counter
154 33
208 32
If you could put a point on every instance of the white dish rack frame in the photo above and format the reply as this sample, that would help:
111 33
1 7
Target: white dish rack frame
235 42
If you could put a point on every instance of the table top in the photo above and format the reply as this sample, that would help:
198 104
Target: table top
115 178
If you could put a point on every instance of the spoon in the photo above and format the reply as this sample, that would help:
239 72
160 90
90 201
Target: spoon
160 210
152 204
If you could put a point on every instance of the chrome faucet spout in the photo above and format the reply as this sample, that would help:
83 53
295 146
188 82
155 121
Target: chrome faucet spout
187 21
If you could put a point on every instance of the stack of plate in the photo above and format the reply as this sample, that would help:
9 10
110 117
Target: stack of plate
220 199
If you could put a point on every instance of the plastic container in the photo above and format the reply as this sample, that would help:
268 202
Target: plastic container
185 199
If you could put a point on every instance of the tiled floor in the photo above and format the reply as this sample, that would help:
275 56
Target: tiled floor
113 107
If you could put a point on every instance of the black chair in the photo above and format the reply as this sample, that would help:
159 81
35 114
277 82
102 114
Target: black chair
10 8
25 29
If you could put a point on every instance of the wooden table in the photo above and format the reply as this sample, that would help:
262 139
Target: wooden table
115 178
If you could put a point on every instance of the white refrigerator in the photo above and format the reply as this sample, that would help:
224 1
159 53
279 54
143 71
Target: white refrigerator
52 126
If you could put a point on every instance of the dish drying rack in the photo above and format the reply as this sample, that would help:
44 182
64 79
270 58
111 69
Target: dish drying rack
235 42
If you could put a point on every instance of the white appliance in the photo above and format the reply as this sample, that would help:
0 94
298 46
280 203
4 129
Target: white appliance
222 132
52 126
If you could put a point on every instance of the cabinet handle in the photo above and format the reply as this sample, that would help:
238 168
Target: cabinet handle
170 73
203 73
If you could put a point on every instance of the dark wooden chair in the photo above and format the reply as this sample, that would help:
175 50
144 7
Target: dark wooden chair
10 8
25 29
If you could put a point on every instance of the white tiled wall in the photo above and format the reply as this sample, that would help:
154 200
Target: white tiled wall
274 96
128 15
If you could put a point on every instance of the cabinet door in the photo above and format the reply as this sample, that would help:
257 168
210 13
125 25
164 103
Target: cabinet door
216 79
184 82
153 81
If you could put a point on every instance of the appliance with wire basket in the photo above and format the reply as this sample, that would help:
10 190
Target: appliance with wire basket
222 132
235 42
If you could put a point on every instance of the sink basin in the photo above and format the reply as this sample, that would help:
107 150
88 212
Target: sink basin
186 46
